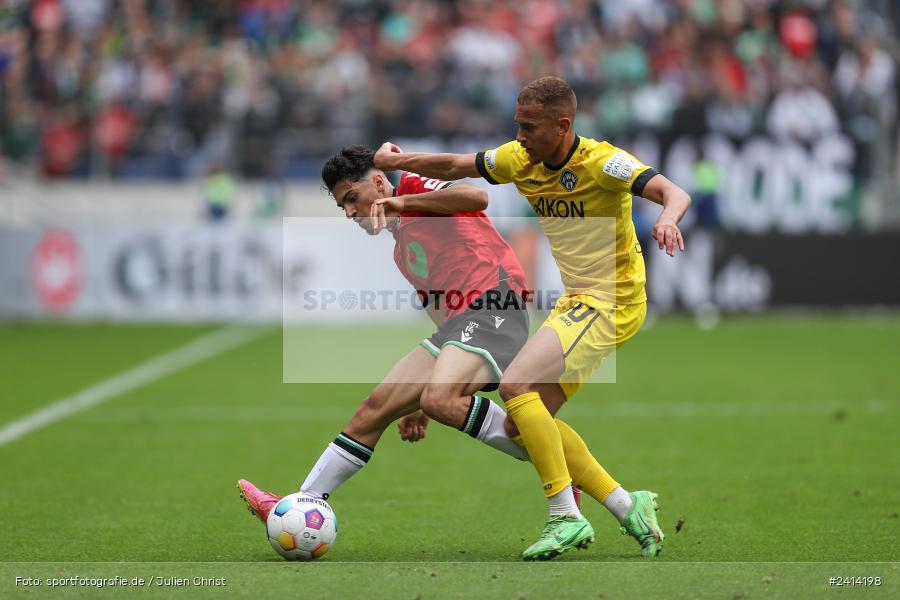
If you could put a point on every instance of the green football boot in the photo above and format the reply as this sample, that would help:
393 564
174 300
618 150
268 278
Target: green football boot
561 533
641 524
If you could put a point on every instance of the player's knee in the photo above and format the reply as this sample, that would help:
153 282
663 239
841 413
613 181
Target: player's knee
434 402
511 389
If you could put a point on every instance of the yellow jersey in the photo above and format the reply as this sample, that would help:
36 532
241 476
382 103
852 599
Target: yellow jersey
584 208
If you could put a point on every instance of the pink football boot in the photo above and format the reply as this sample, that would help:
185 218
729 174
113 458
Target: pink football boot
259 502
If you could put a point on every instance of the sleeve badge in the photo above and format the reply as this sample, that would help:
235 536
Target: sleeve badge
620 165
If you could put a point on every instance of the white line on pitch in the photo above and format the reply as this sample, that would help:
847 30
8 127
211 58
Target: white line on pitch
198 350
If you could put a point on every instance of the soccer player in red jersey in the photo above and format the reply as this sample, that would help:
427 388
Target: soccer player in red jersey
472 286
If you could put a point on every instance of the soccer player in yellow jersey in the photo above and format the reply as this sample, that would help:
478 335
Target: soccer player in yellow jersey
581 191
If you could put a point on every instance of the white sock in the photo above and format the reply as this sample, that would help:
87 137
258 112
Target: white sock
618 503
563 503
339 462
493 433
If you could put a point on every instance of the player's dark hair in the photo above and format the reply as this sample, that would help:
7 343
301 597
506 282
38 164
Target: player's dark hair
552 92
351 163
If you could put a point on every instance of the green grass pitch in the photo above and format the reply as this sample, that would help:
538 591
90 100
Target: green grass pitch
772 439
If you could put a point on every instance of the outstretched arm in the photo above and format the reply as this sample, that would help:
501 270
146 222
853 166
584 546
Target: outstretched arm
438 165
675 202
457 198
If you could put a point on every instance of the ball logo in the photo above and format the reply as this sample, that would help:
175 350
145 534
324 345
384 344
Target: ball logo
56 274
314 519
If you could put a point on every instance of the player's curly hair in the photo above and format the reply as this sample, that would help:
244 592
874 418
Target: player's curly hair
552 92
352 163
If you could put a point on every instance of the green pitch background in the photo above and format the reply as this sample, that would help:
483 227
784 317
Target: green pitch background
774 439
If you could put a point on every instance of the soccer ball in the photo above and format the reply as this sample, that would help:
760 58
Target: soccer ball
301 527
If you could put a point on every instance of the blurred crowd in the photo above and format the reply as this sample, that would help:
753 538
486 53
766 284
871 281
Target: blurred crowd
266 88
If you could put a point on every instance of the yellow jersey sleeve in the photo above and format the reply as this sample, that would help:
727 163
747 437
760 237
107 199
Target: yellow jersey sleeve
501 164
618 171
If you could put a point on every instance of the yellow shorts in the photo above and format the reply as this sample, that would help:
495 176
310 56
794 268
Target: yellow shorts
590 330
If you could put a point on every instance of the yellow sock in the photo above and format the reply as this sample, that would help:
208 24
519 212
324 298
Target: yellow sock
590 475
542 439
586 472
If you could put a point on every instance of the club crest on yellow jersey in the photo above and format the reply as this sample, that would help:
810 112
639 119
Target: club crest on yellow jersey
568 180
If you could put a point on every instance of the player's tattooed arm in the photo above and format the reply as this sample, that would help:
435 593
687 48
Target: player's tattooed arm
390 157
449 200
675 202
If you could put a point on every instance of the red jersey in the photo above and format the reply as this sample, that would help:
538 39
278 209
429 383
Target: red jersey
451 259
